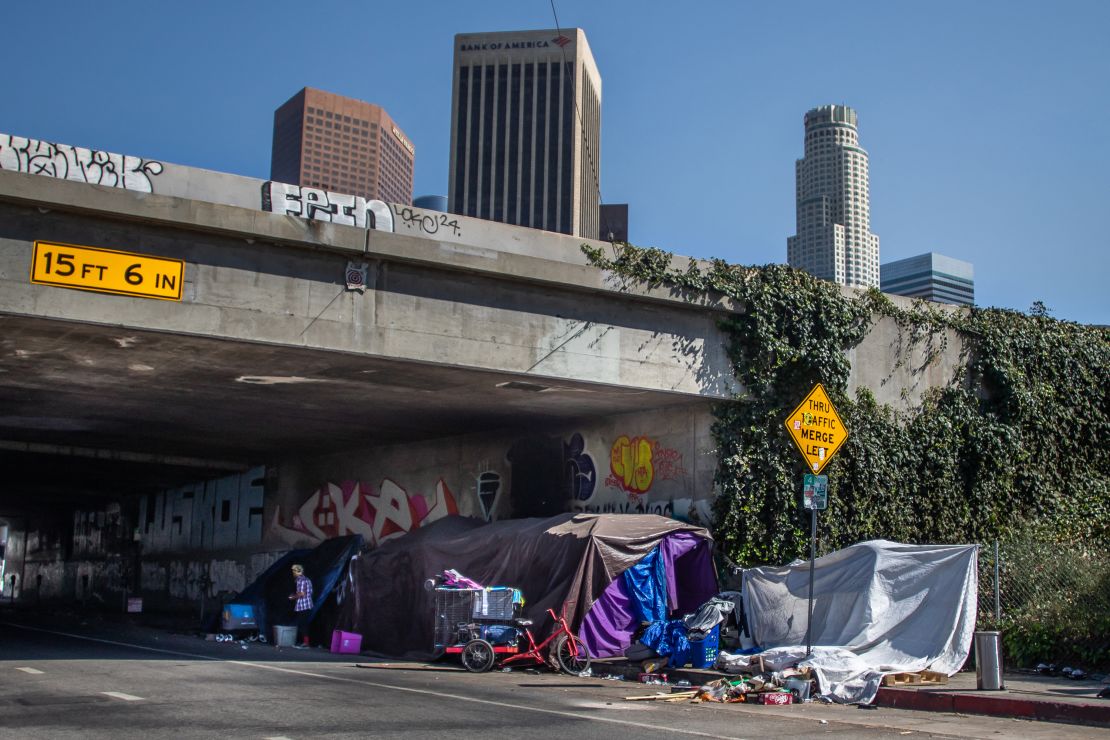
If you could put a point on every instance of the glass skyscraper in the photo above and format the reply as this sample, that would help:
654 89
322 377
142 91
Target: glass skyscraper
526 130
931 276
834 239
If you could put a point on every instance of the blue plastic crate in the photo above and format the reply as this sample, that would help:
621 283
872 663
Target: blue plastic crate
238 617
703 653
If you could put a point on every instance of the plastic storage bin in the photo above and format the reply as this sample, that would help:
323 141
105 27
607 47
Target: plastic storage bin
497 602
346 642
703 653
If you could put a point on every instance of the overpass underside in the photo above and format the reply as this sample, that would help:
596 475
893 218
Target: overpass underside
243 418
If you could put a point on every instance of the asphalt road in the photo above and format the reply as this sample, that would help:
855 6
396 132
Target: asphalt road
63 685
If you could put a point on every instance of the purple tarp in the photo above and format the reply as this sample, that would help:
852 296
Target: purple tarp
691 581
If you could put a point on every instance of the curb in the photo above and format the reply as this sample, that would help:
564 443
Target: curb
996 704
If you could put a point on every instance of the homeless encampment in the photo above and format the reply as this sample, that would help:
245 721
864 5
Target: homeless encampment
571 563
879 607
324 565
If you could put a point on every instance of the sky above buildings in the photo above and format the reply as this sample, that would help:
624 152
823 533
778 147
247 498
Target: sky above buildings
986 122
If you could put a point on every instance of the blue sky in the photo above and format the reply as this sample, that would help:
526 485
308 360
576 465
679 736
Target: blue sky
987 123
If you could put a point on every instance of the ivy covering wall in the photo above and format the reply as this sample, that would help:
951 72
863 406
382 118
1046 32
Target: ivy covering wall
1015 443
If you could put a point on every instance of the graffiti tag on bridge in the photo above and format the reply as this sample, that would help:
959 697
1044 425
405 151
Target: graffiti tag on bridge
427 222
65 162
314 204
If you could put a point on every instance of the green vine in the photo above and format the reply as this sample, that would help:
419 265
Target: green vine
1015 441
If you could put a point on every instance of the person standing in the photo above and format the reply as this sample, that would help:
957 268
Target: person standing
302 595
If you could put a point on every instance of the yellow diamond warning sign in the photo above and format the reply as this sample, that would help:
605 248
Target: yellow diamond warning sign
816 428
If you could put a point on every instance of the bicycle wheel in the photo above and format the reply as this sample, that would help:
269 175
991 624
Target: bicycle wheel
477 656
570 663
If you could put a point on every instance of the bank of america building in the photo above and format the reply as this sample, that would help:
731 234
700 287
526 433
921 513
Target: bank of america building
931 276
526 130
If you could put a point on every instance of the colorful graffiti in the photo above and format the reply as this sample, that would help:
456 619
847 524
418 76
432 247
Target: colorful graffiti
635 463
351 507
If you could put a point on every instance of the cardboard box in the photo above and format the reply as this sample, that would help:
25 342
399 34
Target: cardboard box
346 642
774 697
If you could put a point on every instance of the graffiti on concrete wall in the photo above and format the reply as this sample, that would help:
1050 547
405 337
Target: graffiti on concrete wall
636 463
676 509
581 471
65 162
322 205
351 507
428 223
98 533
488 488
214 515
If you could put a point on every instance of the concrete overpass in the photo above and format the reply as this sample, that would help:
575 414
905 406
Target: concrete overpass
327 366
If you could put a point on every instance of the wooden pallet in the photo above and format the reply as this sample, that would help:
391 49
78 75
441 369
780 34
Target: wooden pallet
920 678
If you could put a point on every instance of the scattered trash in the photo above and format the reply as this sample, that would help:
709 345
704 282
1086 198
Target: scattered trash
683 683
586 673
823 721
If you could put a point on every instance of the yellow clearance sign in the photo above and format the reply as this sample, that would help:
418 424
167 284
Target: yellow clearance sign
817 429
107 271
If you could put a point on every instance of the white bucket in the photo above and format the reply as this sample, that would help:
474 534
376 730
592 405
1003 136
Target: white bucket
285 635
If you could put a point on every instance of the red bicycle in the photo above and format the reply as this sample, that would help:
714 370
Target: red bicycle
566 651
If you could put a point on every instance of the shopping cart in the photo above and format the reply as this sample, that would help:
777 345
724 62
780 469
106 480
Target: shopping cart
483 627
462 613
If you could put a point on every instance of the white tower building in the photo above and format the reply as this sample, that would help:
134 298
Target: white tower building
834 239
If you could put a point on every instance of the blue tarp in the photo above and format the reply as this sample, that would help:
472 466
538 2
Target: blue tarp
668 638
645 583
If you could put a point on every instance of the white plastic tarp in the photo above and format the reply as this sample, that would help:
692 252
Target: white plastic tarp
879 607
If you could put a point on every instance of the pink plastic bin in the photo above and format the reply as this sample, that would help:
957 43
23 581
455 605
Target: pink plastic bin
346 642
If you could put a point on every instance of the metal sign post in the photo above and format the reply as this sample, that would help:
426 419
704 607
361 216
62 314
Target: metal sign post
812 557
819 433
815 496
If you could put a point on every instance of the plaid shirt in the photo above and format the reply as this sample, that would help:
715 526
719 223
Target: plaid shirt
304 587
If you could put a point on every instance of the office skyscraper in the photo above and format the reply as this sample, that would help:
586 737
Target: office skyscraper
526 130
335 143
931 276
834 239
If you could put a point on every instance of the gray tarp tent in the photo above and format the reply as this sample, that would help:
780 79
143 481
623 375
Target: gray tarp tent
563 562
879 607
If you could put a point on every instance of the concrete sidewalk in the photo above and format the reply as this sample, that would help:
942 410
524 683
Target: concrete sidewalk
1026 696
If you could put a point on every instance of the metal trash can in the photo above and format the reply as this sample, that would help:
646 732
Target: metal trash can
285 635
988 661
